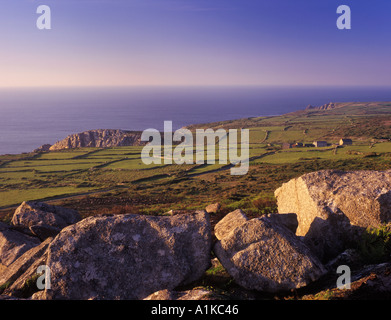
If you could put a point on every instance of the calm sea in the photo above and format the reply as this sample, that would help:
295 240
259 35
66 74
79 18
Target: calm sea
32 117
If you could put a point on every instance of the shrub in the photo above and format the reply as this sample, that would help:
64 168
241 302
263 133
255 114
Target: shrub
265 205
375 245
4 286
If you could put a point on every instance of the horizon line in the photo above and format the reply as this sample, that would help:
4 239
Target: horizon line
199 86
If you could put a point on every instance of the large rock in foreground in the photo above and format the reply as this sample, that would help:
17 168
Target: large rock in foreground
19 267
13 244
231 221
331 206
263 255
128 256
364 197
34 213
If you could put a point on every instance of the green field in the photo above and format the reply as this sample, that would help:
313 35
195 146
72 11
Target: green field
327 153
90 179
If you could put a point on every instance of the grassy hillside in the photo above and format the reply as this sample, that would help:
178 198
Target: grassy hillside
360 121
116 180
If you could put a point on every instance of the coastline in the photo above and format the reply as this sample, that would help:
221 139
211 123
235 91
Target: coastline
35 117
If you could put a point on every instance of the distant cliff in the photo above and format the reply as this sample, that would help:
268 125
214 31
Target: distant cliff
327 106
101 138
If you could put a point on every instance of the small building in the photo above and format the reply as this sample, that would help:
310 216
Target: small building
286 145
309 145
345 142
320 144
298 145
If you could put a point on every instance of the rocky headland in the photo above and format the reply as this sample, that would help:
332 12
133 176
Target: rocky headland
327 106
100 138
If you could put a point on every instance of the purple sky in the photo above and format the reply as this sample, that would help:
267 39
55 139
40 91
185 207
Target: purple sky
195 42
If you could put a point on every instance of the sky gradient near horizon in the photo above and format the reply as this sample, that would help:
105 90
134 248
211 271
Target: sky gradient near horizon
195 42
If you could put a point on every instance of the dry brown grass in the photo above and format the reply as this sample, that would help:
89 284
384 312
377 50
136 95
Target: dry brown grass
118 209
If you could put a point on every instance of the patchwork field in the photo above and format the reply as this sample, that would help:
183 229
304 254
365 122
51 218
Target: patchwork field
96 180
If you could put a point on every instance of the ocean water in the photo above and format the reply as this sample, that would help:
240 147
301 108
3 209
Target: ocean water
30 117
